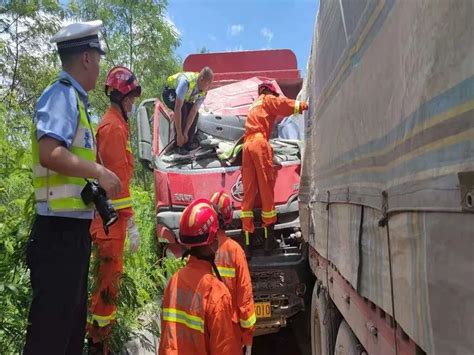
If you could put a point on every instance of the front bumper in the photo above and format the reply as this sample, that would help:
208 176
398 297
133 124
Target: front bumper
283 280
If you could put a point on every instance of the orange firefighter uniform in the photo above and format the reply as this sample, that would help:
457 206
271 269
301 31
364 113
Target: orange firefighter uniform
258 175
113 146
197 314
234 270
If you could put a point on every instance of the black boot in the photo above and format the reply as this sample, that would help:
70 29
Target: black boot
248 239
270 242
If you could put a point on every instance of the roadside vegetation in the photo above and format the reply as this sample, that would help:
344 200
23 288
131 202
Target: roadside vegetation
137 35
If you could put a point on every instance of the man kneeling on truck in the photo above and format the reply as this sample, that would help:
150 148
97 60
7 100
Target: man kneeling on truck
234 270
184 93
257 160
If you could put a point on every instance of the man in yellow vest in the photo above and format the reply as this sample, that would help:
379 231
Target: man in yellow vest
59 246
184 94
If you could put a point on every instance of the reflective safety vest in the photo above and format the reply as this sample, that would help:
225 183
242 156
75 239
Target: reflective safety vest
191 77
63 193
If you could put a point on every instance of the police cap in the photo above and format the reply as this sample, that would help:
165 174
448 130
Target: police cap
78 37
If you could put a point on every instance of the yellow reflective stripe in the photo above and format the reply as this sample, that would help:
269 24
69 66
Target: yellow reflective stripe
68 204
245 214
57 180
247 238
297 107
84 153
122 203
255 104
194 211
221 201
226 271
265 232
269 214
178 316
248 323
102 321
214 197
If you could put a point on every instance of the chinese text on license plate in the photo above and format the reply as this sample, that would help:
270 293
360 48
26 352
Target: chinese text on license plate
263 309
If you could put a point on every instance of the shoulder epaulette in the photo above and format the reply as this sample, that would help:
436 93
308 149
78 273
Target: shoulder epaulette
65 81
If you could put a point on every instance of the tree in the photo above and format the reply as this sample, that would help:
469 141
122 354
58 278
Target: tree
135 35
26 67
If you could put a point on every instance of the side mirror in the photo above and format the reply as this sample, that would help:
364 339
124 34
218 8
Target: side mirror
144 138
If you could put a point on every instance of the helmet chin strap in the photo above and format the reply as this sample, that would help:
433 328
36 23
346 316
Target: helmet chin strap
122 110
211 260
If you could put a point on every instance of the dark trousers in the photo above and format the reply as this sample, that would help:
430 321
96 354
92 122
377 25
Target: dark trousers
58 255
169 99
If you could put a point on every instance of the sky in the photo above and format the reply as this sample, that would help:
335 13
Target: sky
233 25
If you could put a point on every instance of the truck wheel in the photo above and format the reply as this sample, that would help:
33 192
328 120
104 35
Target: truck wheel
325 320
346 342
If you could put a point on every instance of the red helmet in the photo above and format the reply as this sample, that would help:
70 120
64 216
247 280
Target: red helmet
269 86
198 225
123 81
223 205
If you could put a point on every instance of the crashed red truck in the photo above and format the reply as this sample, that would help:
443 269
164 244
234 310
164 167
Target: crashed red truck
280 280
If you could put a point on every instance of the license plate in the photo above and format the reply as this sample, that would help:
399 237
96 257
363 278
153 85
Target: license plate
263 309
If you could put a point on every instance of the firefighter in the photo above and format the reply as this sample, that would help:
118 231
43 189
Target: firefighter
63 154
258 175
184 93
114 152
234 270
197 316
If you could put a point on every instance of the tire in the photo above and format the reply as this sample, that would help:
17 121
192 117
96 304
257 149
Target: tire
346 341
325 320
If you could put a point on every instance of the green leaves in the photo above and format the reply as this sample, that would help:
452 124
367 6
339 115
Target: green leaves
136 35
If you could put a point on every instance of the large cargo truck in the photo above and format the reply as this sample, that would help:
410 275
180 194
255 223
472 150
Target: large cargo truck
387 184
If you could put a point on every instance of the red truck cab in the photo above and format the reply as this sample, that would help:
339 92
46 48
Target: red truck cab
279 280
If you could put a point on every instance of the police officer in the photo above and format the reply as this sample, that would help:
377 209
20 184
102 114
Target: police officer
59 246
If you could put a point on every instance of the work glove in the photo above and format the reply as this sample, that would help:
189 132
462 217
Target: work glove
133 235
248 349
